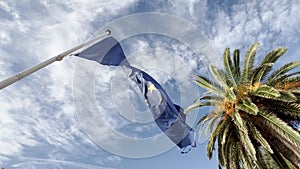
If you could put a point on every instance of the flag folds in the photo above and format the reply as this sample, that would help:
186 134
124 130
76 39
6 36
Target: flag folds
168 116
106 52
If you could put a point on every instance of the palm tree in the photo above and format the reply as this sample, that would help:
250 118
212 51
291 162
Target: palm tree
256 111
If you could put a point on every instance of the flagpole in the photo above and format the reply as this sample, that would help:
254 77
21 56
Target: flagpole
59 57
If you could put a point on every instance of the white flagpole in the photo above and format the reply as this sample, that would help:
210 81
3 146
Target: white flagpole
59 57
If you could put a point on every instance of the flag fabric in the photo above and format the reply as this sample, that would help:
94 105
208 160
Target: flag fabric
168 116
106 52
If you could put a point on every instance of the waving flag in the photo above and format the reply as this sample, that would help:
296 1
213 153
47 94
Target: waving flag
168 116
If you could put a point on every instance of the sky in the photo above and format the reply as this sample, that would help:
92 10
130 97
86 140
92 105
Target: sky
67 114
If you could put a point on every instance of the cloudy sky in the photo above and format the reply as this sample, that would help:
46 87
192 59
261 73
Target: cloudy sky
63 116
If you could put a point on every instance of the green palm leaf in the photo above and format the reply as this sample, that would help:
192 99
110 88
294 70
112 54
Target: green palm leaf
292 79
203 118
289 109
244 136
286 96
212 124
296 91
281 127
237 69
258 137
209 85
210 146
258 73
266 92
225 149
247 106
229 68
218 76
225 135
285 68
272 57
230 95
220 158
279 160
198 104
282 78
214 98
233 155
245 158
248 62
262 159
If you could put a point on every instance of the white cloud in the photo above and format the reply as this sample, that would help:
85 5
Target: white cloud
237 24
270 23
33 163
38 110
112 160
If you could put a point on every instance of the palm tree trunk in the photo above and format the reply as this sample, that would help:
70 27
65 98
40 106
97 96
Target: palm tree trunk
281 145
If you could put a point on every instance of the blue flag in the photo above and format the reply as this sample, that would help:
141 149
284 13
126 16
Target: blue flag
168 116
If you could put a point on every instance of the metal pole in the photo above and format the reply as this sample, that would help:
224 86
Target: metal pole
59 57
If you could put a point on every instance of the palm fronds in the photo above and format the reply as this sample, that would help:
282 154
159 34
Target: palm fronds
250 106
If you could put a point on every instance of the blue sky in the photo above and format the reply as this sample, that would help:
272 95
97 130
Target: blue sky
39 122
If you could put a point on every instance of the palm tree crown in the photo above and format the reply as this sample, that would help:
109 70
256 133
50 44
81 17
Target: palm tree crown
256 111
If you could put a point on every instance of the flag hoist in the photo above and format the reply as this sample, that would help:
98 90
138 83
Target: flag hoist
59 57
